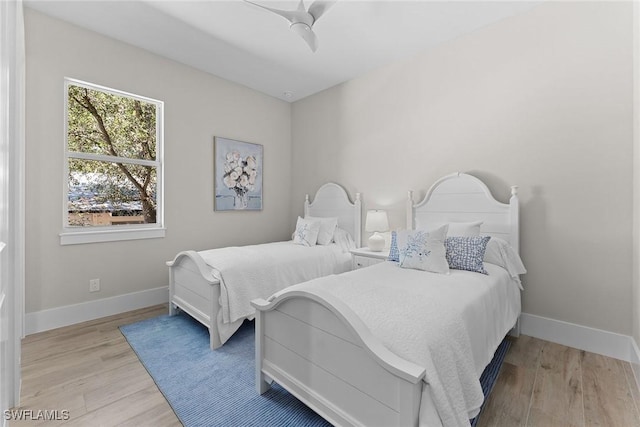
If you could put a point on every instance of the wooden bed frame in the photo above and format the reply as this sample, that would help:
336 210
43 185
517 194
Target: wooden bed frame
314 346
194 289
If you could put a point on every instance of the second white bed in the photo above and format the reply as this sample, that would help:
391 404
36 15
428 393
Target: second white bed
216 286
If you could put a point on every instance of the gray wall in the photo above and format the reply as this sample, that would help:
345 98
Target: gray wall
198 106
542 100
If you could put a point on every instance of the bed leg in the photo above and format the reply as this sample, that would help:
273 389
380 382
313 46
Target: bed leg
214 339
262 384
515 331
172 306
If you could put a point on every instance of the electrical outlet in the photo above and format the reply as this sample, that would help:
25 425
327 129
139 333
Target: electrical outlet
94 285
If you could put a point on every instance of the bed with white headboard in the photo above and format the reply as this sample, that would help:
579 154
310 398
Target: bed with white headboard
195 279
335 350
461 197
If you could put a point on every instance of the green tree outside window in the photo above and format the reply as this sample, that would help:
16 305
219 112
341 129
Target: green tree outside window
112 152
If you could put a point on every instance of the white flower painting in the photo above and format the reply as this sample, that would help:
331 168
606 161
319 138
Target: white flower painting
238 175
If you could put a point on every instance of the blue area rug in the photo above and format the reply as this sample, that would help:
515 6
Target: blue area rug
217 388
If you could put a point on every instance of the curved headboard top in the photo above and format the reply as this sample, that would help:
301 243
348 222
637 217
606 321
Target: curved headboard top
460 197
331 200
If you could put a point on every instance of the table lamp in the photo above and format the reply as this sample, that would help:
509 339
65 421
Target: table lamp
376 222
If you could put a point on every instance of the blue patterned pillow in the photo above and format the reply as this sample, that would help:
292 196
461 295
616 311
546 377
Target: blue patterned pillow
467 253
394 254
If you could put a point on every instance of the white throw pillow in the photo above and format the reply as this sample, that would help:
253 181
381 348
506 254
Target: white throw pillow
327 229
462 229
306 232
344 240
422 250
500 252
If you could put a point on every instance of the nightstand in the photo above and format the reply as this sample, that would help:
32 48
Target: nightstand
363 257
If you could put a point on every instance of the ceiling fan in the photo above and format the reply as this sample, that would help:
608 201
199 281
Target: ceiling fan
301 20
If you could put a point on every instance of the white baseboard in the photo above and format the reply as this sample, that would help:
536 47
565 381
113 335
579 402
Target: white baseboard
635 362
58 317
597 341
635 353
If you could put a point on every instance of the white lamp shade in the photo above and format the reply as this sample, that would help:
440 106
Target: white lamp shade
377 220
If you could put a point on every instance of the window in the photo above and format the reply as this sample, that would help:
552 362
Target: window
113 158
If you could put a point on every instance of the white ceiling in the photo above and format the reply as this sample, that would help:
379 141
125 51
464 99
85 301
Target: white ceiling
245 44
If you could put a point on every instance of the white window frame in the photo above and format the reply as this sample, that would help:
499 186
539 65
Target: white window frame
79 235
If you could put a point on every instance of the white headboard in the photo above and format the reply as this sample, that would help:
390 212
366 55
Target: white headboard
460 197
331 200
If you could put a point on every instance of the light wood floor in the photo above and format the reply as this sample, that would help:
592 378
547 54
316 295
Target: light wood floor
90 370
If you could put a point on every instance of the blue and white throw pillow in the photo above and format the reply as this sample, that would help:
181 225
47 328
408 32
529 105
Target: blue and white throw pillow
467 253
306 232
422 250
394 255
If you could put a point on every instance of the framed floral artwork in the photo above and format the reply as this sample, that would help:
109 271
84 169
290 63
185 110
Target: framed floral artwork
238 175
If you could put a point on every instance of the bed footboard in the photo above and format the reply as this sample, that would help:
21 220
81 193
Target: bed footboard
320 351
193 288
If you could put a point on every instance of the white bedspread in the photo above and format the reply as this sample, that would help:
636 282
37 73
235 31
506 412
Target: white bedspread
449 324
257 271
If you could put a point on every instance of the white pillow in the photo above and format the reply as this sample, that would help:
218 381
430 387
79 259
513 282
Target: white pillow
464 229
306 232
327 228
422 250
344 240
457 229
501 253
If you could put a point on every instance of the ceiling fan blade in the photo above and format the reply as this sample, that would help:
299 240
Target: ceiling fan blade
319 7
305 31
289 15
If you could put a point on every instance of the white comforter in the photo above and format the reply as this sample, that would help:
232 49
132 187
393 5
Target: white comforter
257 271
449 324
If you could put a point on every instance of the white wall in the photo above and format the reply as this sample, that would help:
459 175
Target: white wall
542 100
636 185
198 106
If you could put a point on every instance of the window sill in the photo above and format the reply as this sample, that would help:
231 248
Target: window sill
98 236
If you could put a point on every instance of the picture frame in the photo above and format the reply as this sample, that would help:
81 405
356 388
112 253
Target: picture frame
238 175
